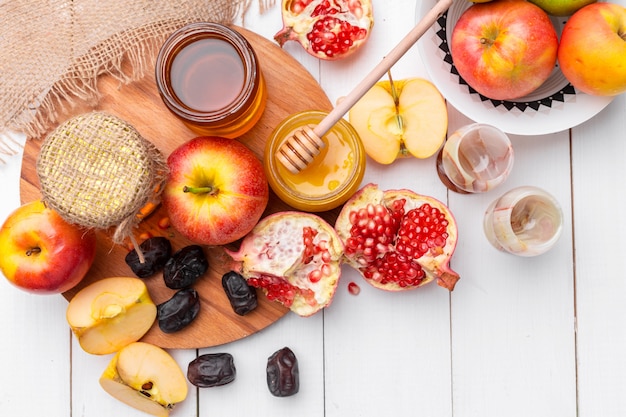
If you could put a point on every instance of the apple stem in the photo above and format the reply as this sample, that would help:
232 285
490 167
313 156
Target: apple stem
198 190
33 251
396 101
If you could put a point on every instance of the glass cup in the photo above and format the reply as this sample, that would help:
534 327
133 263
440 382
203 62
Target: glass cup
476 158
525 221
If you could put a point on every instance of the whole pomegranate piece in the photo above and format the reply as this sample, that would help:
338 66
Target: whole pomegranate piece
293 258
327 29
398 239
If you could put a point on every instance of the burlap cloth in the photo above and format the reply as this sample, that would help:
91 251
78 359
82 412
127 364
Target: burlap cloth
52 51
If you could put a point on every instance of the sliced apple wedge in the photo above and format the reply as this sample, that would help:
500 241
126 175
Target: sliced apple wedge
401 118
145 377
111 313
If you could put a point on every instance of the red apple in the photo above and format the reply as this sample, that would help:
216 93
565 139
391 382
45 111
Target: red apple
41 252
504 49
216 191
592 53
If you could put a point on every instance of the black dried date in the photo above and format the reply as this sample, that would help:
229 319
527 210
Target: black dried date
283 375
184 268
180 310
212 370
242 297
156 251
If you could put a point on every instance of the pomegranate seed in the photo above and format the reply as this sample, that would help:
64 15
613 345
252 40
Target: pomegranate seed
353 288
315 276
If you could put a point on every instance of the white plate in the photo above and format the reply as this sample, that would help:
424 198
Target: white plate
553 107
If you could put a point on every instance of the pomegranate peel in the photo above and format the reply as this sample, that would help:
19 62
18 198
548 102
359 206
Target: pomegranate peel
398 239
326 29
294 258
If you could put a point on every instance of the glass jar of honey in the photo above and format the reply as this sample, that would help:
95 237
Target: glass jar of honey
208 75
330 179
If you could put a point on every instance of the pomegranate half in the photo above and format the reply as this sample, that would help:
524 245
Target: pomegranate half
294 258
326 29
398 239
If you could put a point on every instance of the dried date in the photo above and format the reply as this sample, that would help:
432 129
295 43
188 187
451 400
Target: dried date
180 310
242 297
283 375
212 370
156 252
184 268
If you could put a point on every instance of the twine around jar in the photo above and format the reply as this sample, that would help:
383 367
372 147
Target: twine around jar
97 171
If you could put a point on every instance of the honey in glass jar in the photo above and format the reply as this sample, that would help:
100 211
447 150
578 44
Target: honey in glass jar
330 179
208 75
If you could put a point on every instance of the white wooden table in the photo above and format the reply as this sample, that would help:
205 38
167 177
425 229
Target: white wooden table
542 336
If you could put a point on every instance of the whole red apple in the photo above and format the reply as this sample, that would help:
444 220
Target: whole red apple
216 191
504 49
592 53
41 252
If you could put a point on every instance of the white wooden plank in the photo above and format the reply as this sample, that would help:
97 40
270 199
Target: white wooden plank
598 176
512 317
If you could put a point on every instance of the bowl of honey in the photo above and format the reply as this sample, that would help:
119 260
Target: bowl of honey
208 75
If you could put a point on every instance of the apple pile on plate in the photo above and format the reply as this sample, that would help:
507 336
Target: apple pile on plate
506 49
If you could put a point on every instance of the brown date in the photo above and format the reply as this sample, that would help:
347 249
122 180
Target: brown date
185 267
242 297
180 310
156 252
283 375
212 370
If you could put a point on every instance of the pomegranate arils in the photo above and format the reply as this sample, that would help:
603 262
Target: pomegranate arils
372 232
334 37
422 229
327 29
396 268
353 288
398 239
280 290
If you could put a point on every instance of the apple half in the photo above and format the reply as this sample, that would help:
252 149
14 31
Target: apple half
145 377
111 313
402 118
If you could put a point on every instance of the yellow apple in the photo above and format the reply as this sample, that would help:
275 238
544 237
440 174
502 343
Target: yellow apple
145 377
111 313
592 52
400 118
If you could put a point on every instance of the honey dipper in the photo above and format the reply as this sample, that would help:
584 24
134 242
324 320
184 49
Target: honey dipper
299 150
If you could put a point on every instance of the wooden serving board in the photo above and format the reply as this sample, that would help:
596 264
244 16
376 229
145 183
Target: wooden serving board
290 89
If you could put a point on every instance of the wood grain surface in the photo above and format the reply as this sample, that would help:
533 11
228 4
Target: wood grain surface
290 89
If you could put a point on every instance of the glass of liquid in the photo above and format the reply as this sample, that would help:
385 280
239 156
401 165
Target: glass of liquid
525 221
476 158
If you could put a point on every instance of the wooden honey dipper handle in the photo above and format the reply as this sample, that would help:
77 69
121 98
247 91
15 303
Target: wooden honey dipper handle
299 150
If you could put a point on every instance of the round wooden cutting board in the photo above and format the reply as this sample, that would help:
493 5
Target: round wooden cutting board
290 89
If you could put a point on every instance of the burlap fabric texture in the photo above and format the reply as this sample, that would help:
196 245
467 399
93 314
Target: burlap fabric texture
97 171
52 51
